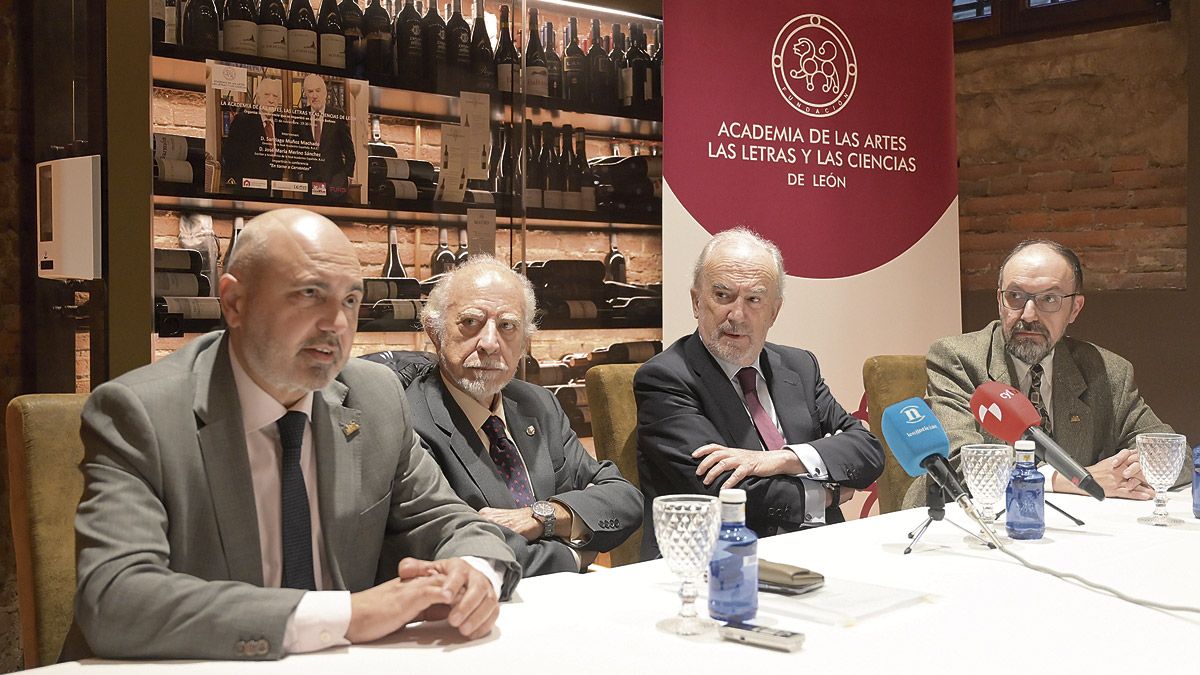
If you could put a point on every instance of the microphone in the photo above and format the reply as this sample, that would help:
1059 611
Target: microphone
1007 414
920 444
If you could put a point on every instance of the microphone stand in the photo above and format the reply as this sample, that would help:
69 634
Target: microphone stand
935 499
1051 505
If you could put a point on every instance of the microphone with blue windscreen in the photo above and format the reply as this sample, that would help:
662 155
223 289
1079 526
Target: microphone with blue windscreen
921 446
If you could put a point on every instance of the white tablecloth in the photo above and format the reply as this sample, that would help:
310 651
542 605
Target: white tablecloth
981 611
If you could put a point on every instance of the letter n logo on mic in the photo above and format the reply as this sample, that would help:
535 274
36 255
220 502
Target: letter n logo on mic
912 414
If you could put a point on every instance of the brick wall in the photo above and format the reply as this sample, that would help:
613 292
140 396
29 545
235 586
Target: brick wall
1083 140
11 383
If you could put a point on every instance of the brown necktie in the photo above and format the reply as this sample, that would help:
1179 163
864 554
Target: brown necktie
1035 396
770 436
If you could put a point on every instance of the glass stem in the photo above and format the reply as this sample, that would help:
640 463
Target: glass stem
1160 504
687 594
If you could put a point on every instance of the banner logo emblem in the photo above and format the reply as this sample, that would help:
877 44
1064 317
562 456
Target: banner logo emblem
814 65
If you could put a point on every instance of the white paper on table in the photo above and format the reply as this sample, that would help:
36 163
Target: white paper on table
840 602
475 114
452 180
481 231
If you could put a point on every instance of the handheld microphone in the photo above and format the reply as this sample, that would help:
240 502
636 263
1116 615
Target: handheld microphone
1007 414
921 446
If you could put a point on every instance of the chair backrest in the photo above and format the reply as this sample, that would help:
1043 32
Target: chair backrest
888 380
614 430
408 365
44 452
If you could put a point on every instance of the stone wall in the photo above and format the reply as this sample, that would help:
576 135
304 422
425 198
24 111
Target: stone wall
1083 140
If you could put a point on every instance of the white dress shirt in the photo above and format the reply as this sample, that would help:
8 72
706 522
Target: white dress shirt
322 617
1024 380
814 491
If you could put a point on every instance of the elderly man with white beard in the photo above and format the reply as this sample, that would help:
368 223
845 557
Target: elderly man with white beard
505 445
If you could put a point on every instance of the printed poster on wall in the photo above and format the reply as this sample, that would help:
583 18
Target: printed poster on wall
828 127
287 133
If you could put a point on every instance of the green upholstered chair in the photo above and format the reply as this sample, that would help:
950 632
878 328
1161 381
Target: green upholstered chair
614 430
44 452
888 380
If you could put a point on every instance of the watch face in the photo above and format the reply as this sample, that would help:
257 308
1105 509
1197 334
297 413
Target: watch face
543 509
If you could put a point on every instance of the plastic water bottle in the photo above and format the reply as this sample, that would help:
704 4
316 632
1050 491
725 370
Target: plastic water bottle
1196 481
733 570
1025 498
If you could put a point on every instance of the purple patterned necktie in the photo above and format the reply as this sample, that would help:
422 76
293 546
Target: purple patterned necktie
506 458
1035 397
771 438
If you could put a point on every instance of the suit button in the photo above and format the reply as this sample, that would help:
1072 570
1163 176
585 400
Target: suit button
807 517
263 647
241 647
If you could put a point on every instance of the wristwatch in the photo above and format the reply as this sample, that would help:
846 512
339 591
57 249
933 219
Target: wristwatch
836 491
544 513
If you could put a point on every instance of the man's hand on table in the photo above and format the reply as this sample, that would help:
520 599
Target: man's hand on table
1119 475
425 590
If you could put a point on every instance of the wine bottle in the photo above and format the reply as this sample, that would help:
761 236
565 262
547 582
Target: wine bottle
272 30
461 257
497 150
483 62
572 197
506 171
378 56
458 50
383 193
587 180
352 30
178 260
158 21
433 49
393 268
536 75
175 316
600 72
240 26
575 75
638 66
401 169
201 25
443 259
534 181
302 33
331 36
552 178
644 83
656 96
407 43
181 284
614 262
508 61
554 67
617 56
377 148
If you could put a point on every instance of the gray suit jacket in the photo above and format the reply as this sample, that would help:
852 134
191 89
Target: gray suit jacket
1096 406
166 533
558 464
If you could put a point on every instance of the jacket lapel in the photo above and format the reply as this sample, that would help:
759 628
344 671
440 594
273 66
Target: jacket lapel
463 441
1072 415
339 465
730 413
533 451
1000 366
788 397
222 442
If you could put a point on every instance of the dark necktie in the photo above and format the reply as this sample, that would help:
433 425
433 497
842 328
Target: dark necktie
506 458
294 514
771 438
1035 396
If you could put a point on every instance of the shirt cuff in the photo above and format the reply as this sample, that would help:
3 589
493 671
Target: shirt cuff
581 534
811 459
1049 472
492 570
320 620
814 502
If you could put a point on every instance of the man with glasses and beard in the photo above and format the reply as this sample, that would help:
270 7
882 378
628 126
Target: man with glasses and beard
723 407
1085 394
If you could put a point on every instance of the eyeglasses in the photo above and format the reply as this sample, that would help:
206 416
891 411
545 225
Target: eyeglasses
1045 302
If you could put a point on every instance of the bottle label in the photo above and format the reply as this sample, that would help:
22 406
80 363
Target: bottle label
272 41
333 50
648 87
572 200
241 37
405 310
581 309
170 146
552 199
505 76
172 25
574 64
533 198
404 189
588 198
302 45
173 170
158 10
627 85
176 284
395 168
538 81
194 308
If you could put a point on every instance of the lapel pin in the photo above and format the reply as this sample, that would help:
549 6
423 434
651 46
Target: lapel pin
1075 419
529 430
350 429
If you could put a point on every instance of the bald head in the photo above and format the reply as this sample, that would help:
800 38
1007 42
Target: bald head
290 295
